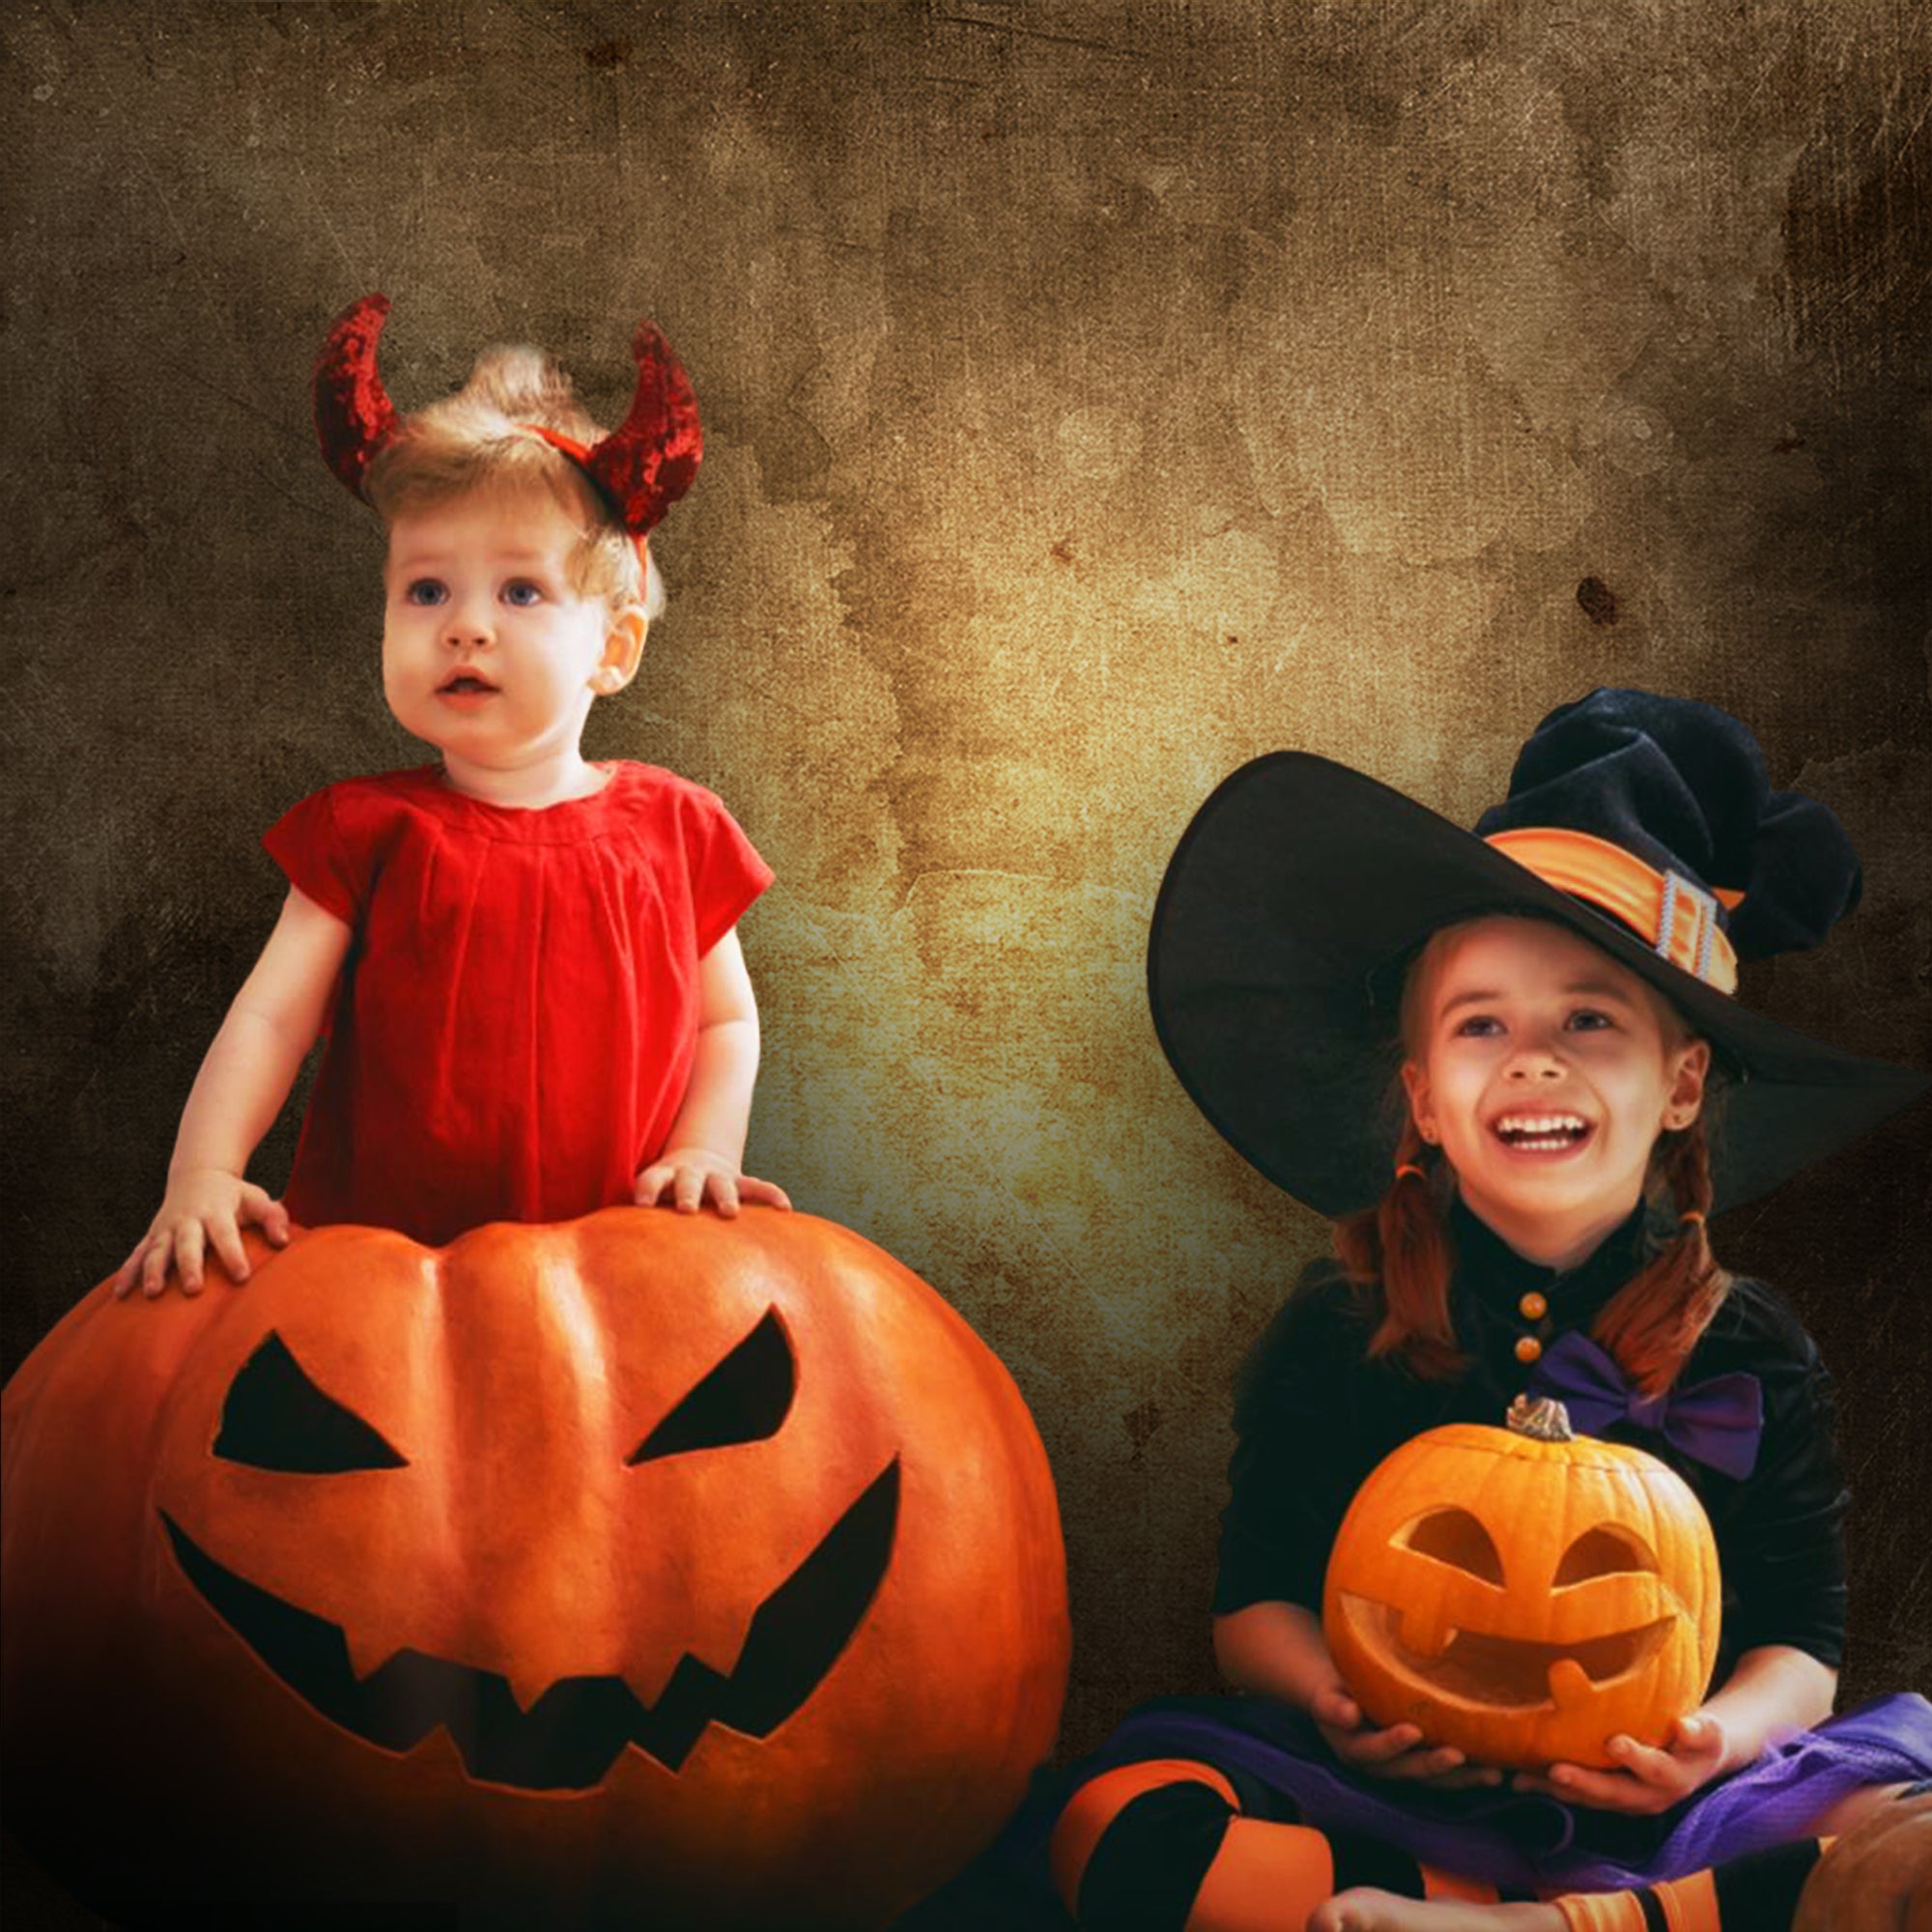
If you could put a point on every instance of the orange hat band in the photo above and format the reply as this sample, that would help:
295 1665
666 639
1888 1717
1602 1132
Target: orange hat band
1678 919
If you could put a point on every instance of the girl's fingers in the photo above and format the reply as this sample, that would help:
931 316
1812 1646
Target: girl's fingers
130 1273
689 1191
154 1269
1653 1767
225 1236
751 1188
265 1211
1337 1707
190 1246
725 1193
1384 1747
650 1184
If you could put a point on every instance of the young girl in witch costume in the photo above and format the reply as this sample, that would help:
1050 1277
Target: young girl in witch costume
1545 1008
527 965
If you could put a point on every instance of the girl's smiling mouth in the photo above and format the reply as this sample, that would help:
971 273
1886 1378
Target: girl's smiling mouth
1549 1132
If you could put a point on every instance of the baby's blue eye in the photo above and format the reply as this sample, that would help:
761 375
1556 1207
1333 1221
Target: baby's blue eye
1588 1019
1478 1026
426 591
521 593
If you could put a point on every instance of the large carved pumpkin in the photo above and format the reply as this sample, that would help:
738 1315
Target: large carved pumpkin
1522 1594
648 1569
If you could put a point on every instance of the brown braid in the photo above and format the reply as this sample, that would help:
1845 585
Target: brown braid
1397 1255
1653 1321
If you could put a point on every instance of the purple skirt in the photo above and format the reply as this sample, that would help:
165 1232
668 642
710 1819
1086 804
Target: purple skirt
1517 1840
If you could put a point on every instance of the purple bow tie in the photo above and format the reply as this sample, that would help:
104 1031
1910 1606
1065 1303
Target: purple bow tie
1716 1423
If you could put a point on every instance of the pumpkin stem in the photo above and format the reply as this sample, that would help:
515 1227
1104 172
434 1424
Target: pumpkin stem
1542 1417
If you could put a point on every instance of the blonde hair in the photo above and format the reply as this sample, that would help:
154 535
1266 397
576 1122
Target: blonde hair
479 439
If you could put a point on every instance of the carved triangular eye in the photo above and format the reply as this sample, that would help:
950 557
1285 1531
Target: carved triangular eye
1603 1552
277 1418
744 1399
1453 1536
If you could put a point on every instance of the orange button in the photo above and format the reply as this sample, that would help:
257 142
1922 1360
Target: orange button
1528 1349
1534 1307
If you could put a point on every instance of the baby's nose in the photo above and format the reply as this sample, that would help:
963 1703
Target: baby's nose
467 625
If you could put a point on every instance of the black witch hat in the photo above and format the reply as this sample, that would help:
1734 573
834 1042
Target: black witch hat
1302 889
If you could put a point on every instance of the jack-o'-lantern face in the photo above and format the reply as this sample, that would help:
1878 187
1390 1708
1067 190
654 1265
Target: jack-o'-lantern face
1523 1599
677 1519
277 1418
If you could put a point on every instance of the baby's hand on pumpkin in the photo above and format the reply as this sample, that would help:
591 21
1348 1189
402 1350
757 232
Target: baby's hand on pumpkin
686 1178
204 1207
1648 1780
1398 1753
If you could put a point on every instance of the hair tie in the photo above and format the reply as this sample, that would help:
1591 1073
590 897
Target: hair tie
1693 1218
1407 1168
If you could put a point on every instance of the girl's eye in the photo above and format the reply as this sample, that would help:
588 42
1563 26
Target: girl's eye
1478 1026
1588 1019
425 590
521 593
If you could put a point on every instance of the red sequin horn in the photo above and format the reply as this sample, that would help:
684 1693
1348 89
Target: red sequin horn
354 416
641 468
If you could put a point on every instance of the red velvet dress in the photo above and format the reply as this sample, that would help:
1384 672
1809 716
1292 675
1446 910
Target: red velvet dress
515 1024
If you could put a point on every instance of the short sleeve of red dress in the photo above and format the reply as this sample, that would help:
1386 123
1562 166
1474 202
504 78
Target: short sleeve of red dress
307 845
516 1022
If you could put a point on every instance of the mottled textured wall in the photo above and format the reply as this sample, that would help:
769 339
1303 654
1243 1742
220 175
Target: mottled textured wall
1095 395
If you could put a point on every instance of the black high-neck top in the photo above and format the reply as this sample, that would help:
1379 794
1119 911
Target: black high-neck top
1313 1415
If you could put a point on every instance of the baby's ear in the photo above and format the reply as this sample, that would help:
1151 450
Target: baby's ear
623 646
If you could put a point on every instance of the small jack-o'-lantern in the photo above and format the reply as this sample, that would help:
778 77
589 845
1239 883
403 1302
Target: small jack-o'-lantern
649 1570
1524 1595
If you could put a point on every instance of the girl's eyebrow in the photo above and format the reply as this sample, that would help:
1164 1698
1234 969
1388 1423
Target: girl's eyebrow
1599 989
1595 989
1473 999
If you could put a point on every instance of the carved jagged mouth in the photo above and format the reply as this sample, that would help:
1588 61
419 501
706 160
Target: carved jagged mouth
573 1733
1510 1672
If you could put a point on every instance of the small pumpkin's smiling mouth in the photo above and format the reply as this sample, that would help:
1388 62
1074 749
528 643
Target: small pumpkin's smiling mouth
573 1733
1504 1673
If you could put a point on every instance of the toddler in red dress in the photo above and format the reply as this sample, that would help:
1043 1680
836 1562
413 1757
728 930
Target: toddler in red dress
527 965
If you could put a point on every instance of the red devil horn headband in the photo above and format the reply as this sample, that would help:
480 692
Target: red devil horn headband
641 470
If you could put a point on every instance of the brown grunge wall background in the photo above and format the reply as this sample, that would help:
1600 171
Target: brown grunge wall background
1097 395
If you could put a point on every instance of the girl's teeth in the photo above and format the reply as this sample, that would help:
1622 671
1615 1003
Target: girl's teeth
1542 1133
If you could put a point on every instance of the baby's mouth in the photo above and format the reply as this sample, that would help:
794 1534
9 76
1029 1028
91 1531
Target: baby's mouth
465 683
1540 1133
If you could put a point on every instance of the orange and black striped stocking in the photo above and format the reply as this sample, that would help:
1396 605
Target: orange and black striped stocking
1169 1845
1757 1893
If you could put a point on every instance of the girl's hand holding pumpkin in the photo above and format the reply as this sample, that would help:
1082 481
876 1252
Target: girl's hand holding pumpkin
1649 1780
204 1207
686 1178
1398 1753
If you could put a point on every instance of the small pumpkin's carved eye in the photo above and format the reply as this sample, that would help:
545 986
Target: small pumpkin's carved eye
744 1399
1603 1552
277 1418
1453 1536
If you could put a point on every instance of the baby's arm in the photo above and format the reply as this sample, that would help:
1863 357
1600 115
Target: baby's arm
706 1141
1775 1689
236 1096
1277 1650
